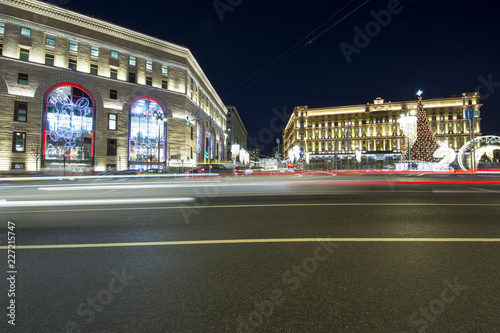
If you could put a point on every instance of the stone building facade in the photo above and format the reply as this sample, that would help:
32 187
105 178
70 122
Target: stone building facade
84 94
373 129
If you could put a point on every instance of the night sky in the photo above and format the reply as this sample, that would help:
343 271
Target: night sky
442 47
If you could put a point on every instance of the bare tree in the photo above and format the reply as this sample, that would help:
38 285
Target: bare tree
35 150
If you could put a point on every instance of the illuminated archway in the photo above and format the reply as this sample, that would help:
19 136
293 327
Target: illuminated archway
68 125
147 138
484 144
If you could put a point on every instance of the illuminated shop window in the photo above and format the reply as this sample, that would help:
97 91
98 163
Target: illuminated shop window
68 132
147 131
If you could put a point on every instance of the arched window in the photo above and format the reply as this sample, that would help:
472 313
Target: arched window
68 130
147 131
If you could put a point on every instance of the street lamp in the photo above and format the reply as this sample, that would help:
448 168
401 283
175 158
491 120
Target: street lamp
408 125
160 120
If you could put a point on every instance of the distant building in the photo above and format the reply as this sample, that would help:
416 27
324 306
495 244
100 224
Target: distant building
83 93
373 128
255 155
237 134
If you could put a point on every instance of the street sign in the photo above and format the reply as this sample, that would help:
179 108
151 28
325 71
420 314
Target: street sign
276 155
468 114
301 155
404 147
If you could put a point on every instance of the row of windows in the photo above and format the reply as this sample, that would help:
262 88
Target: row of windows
50 41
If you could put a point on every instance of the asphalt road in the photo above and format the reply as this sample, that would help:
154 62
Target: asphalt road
253 254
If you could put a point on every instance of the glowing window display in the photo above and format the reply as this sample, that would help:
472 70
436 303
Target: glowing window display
147 131
69 124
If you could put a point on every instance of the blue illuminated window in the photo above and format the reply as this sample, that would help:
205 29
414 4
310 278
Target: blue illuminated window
94 51
114 54
2 28
50 40
132 61
164 69
25 32
149 65
73 46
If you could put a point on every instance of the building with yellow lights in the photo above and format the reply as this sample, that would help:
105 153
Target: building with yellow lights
85 94
372 130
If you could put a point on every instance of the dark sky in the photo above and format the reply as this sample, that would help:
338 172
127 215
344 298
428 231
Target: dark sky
442 47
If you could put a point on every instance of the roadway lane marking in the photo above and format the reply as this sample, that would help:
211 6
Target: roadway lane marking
250 241
38 203
247 206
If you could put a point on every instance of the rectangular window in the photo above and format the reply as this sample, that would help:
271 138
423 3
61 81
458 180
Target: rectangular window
20 111
2 28
17 166
111 147
50 40
149 81
113 94
114 54
164 69
24 54
94 69
19 142
22 78
131 77
1 49
49 59
132 61
164 84
73 46
192 133
112 121
149 65
72 64
94 51
25 32
113 73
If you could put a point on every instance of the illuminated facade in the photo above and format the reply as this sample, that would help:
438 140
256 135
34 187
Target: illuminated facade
373 129
84 94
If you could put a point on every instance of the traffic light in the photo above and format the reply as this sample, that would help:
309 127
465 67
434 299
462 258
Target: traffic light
187 120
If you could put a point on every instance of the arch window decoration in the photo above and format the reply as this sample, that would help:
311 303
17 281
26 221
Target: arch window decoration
68 132
147 131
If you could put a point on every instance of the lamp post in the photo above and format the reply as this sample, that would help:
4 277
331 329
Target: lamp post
408 125
161 120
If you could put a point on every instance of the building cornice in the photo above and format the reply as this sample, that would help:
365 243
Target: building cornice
58 13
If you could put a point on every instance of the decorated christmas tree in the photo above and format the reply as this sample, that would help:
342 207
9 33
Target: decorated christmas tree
425 145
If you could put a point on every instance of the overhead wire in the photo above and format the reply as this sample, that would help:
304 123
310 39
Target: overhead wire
310 40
